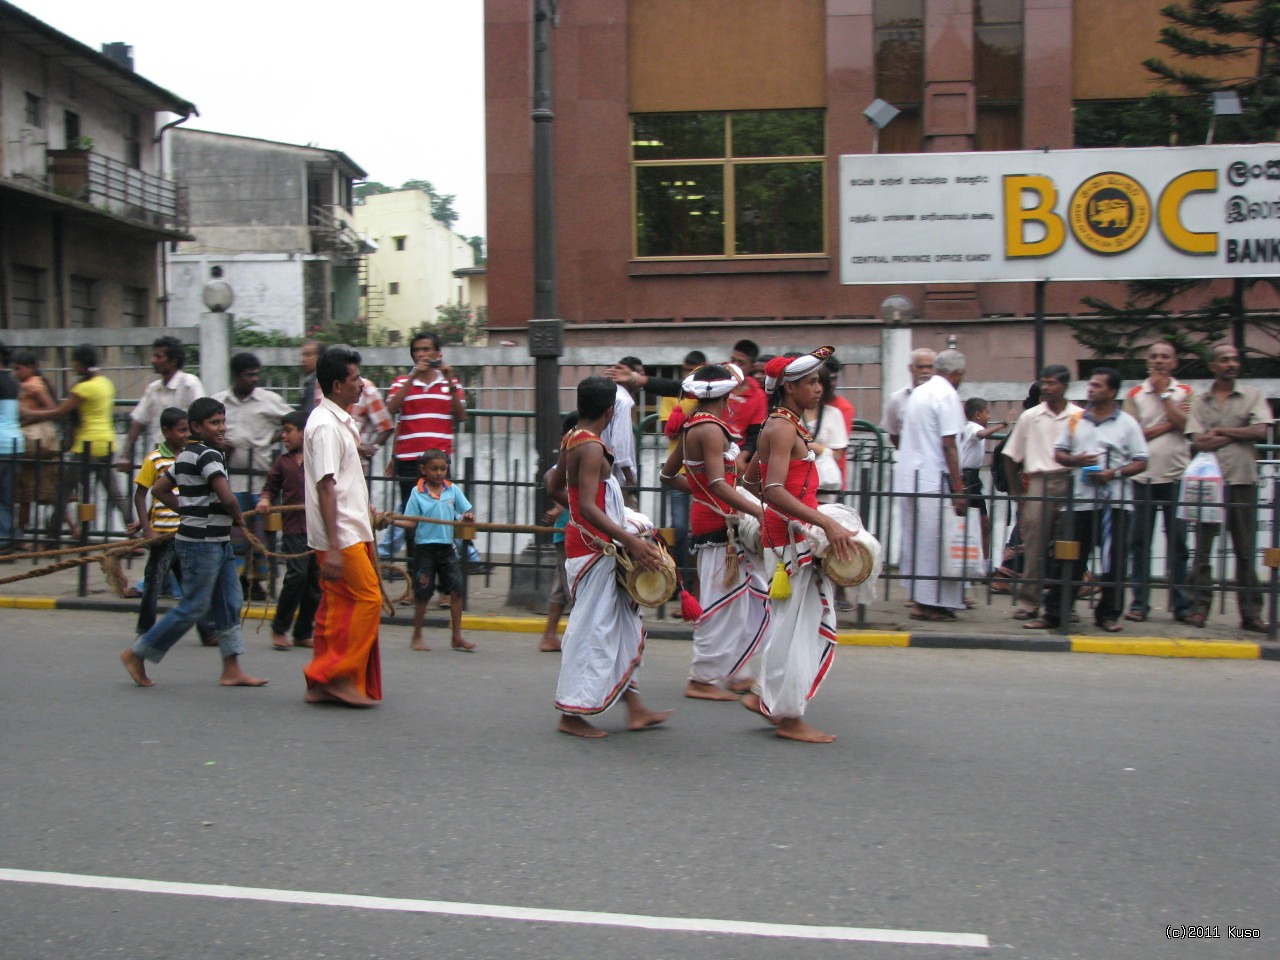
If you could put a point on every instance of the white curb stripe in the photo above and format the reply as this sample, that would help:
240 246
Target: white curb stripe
496 911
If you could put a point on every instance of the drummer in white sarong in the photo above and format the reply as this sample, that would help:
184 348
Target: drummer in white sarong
733 594
604 640
801 643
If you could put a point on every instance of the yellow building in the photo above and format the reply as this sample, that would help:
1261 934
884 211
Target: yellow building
412 271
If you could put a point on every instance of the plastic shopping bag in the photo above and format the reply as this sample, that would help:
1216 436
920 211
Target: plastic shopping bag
962 545
1203 491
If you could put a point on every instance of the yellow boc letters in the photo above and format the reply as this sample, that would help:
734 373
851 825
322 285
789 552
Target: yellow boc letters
1109 213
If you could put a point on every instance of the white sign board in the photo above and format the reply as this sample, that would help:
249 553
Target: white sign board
1061 215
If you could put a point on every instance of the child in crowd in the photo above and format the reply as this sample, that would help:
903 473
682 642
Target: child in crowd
196 487
973 450
435 561
557 517
300 592
161 557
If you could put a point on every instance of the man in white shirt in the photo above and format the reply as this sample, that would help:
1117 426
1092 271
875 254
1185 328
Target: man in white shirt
254 416
1160 404
929 463
921 369
620 436
345 666
175 388
1042 483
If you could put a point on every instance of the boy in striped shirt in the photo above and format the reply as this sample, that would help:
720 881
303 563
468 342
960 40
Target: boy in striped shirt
197 489
161 559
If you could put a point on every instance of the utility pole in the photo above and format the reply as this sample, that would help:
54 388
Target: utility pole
546 333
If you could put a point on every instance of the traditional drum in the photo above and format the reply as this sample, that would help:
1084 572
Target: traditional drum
846 573
649 588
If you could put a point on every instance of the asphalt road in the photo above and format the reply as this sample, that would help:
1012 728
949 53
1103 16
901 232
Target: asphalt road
1060 806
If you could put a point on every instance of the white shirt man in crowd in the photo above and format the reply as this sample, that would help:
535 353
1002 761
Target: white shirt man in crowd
921 369
929 463
1042 483
1160 404
175 388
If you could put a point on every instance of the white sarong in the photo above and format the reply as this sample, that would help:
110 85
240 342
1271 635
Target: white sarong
735 618
922 551
802 637
604 640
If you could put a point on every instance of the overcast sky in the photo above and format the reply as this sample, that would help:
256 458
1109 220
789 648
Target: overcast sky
397 85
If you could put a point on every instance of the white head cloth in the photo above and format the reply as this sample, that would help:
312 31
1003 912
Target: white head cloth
797 369
713 389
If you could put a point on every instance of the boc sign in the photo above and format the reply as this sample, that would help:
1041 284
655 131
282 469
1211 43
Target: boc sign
1062 215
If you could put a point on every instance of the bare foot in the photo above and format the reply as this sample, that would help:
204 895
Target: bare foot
304 643
233 676
318 694
549 645
697 690
462 645
281 641
640 717
578 727
794 728
418 644
742 686
345 692
136 666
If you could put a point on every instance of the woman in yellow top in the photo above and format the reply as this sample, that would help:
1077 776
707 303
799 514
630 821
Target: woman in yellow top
92 400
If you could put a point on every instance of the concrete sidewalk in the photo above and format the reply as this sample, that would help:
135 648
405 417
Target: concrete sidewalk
988 625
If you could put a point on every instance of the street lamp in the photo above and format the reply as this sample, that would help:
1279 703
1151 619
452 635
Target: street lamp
878 114
1222 103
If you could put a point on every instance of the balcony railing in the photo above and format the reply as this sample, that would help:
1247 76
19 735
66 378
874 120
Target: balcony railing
117 188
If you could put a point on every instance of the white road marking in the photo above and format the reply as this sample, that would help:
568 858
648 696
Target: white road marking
747 928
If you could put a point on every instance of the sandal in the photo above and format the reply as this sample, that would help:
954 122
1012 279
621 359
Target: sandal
1109 625
1136 616
1194 619
1021 614
1040 624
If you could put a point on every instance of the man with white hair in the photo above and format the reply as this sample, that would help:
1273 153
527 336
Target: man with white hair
929 464
921 369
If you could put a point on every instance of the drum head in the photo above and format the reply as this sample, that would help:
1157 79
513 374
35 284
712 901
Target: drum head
848 573
652 588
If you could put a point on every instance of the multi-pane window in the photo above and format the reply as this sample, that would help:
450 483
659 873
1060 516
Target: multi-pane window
133 306
27 295
71 128
84 302
997 65
899 47
33 112
748 183
133 140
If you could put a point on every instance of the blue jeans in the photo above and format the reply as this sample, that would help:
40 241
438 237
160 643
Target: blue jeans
210 586
8 471
678 517
162 561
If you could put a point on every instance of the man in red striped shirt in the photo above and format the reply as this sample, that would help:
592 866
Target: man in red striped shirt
428 403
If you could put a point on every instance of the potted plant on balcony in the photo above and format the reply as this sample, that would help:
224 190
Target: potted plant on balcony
69 168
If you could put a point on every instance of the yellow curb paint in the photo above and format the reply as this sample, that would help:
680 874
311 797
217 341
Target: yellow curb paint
1168 647
28 603
502 624
873 638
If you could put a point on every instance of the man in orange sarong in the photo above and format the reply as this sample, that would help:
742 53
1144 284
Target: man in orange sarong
345 666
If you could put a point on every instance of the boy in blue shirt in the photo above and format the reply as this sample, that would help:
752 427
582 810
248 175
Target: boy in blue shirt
434 558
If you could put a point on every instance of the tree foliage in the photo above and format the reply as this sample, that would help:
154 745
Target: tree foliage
441 203
1199 34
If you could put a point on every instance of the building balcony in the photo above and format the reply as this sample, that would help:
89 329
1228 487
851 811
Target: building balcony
115 188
